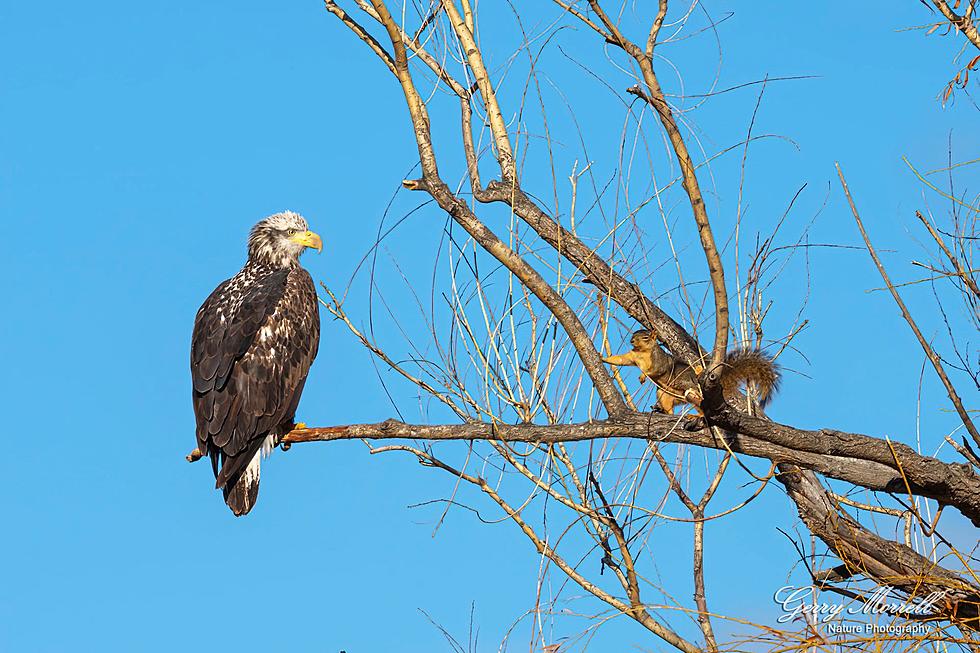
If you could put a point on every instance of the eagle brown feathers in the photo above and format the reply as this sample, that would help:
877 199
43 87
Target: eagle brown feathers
254 340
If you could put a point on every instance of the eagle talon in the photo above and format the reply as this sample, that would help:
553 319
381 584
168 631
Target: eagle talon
286 444
194 456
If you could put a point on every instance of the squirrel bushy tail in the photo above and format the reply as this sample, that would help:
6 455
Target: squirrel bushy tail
751 366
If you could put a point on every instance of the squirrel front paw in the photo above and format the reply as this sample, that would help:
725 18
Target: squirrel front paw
694 423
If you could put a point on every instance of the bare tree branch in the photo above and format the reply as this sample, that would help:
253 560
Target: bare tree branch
437 188
509 366
859 459
655 97
926 347
965 23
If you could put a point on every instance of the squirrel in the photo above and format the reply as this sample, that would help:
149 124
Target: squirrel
677 382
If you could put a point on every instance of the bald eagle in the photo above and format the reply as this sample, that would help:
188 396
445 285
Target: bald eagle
254 340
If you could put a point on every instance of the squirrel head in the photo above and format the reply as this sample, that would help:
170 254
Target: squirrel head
644 340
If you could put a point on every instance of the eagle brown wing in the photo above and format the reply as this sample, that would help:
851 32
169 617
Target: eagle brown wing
254 340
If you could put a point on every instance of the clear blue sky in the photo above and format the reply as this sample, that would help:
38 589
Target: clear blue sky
139 143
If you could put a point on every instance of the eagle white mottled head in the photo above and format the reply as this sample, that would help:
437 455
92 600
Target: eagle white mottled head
278 240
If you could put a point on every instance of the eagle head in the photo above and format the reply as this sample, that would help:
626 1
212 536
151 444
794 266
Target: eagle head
279 240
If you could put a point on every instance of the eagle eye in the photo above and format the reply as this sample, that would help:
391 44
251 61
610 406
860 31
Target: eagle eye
290 232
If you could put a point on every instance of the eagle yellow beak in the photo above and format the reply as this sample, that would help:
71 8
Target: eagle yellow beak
308 239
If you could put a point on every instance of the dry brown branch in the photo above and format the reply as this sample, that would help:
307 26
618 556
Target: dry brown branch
857 459
653 94
634 608
463 29
522 380
697 511
965 23
926 347
585 260
433 184
361 33
714 405
413 44
965 275
888 562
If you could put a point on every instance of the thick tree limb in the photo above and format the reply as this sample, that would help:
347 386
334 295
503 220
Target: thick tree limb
858 459
875 557
953 484
596 270
861 550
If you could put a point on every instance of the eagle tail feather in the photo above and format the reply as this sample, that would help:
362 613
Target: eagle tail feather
244 492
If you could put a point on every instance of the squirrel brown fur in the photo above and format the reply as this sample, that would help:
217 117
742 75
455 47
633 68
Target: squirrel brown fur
677 382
